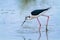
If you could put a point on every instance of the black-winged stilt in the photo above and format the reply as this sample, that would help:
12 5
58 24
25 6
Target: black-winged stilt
36 14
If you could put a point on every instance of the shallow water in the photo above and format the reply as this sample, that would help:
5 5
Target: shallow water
11 18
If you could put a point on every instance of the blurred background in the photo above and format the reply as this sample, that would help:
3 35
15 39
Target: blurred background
13 13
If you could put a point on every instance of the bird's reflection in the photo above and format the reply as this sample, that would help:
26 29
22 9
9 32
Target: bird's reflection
39 35
46 33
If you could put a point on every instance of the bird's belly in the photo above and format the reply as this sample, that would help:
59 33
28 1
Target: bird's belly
35 16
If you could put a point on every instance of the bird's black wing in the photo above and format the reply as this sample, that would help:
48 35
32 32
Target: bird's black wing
38 11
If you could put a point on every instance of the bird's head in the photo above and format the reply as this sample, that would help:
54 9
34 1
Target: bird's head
26 18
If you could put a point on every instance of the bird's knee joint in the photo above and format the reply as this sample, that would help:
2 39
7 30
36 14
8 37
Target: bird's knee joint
40 25
48 16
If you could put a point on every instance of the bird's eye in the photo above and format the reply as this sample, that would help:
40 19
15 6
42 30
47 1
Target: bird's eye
29 16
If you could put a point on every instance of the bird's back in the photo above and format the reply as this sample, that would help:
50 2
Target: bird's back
37 12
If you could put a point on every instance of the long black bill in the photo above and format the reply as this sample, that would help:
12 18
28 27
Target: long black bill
23 22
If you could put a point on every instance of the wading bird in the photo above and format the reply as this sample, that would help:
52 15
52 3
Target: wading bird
36 14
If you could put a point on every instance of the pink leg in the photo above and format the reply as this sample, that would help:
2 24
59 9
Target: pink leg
39 28
46 25
47 20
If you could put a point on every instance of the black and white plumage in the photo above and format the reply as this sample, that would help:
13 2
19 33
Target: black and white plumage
35 14
38 11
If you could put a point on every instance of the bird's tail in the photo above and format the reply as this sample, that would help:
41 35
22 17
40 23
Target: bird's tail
47 9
